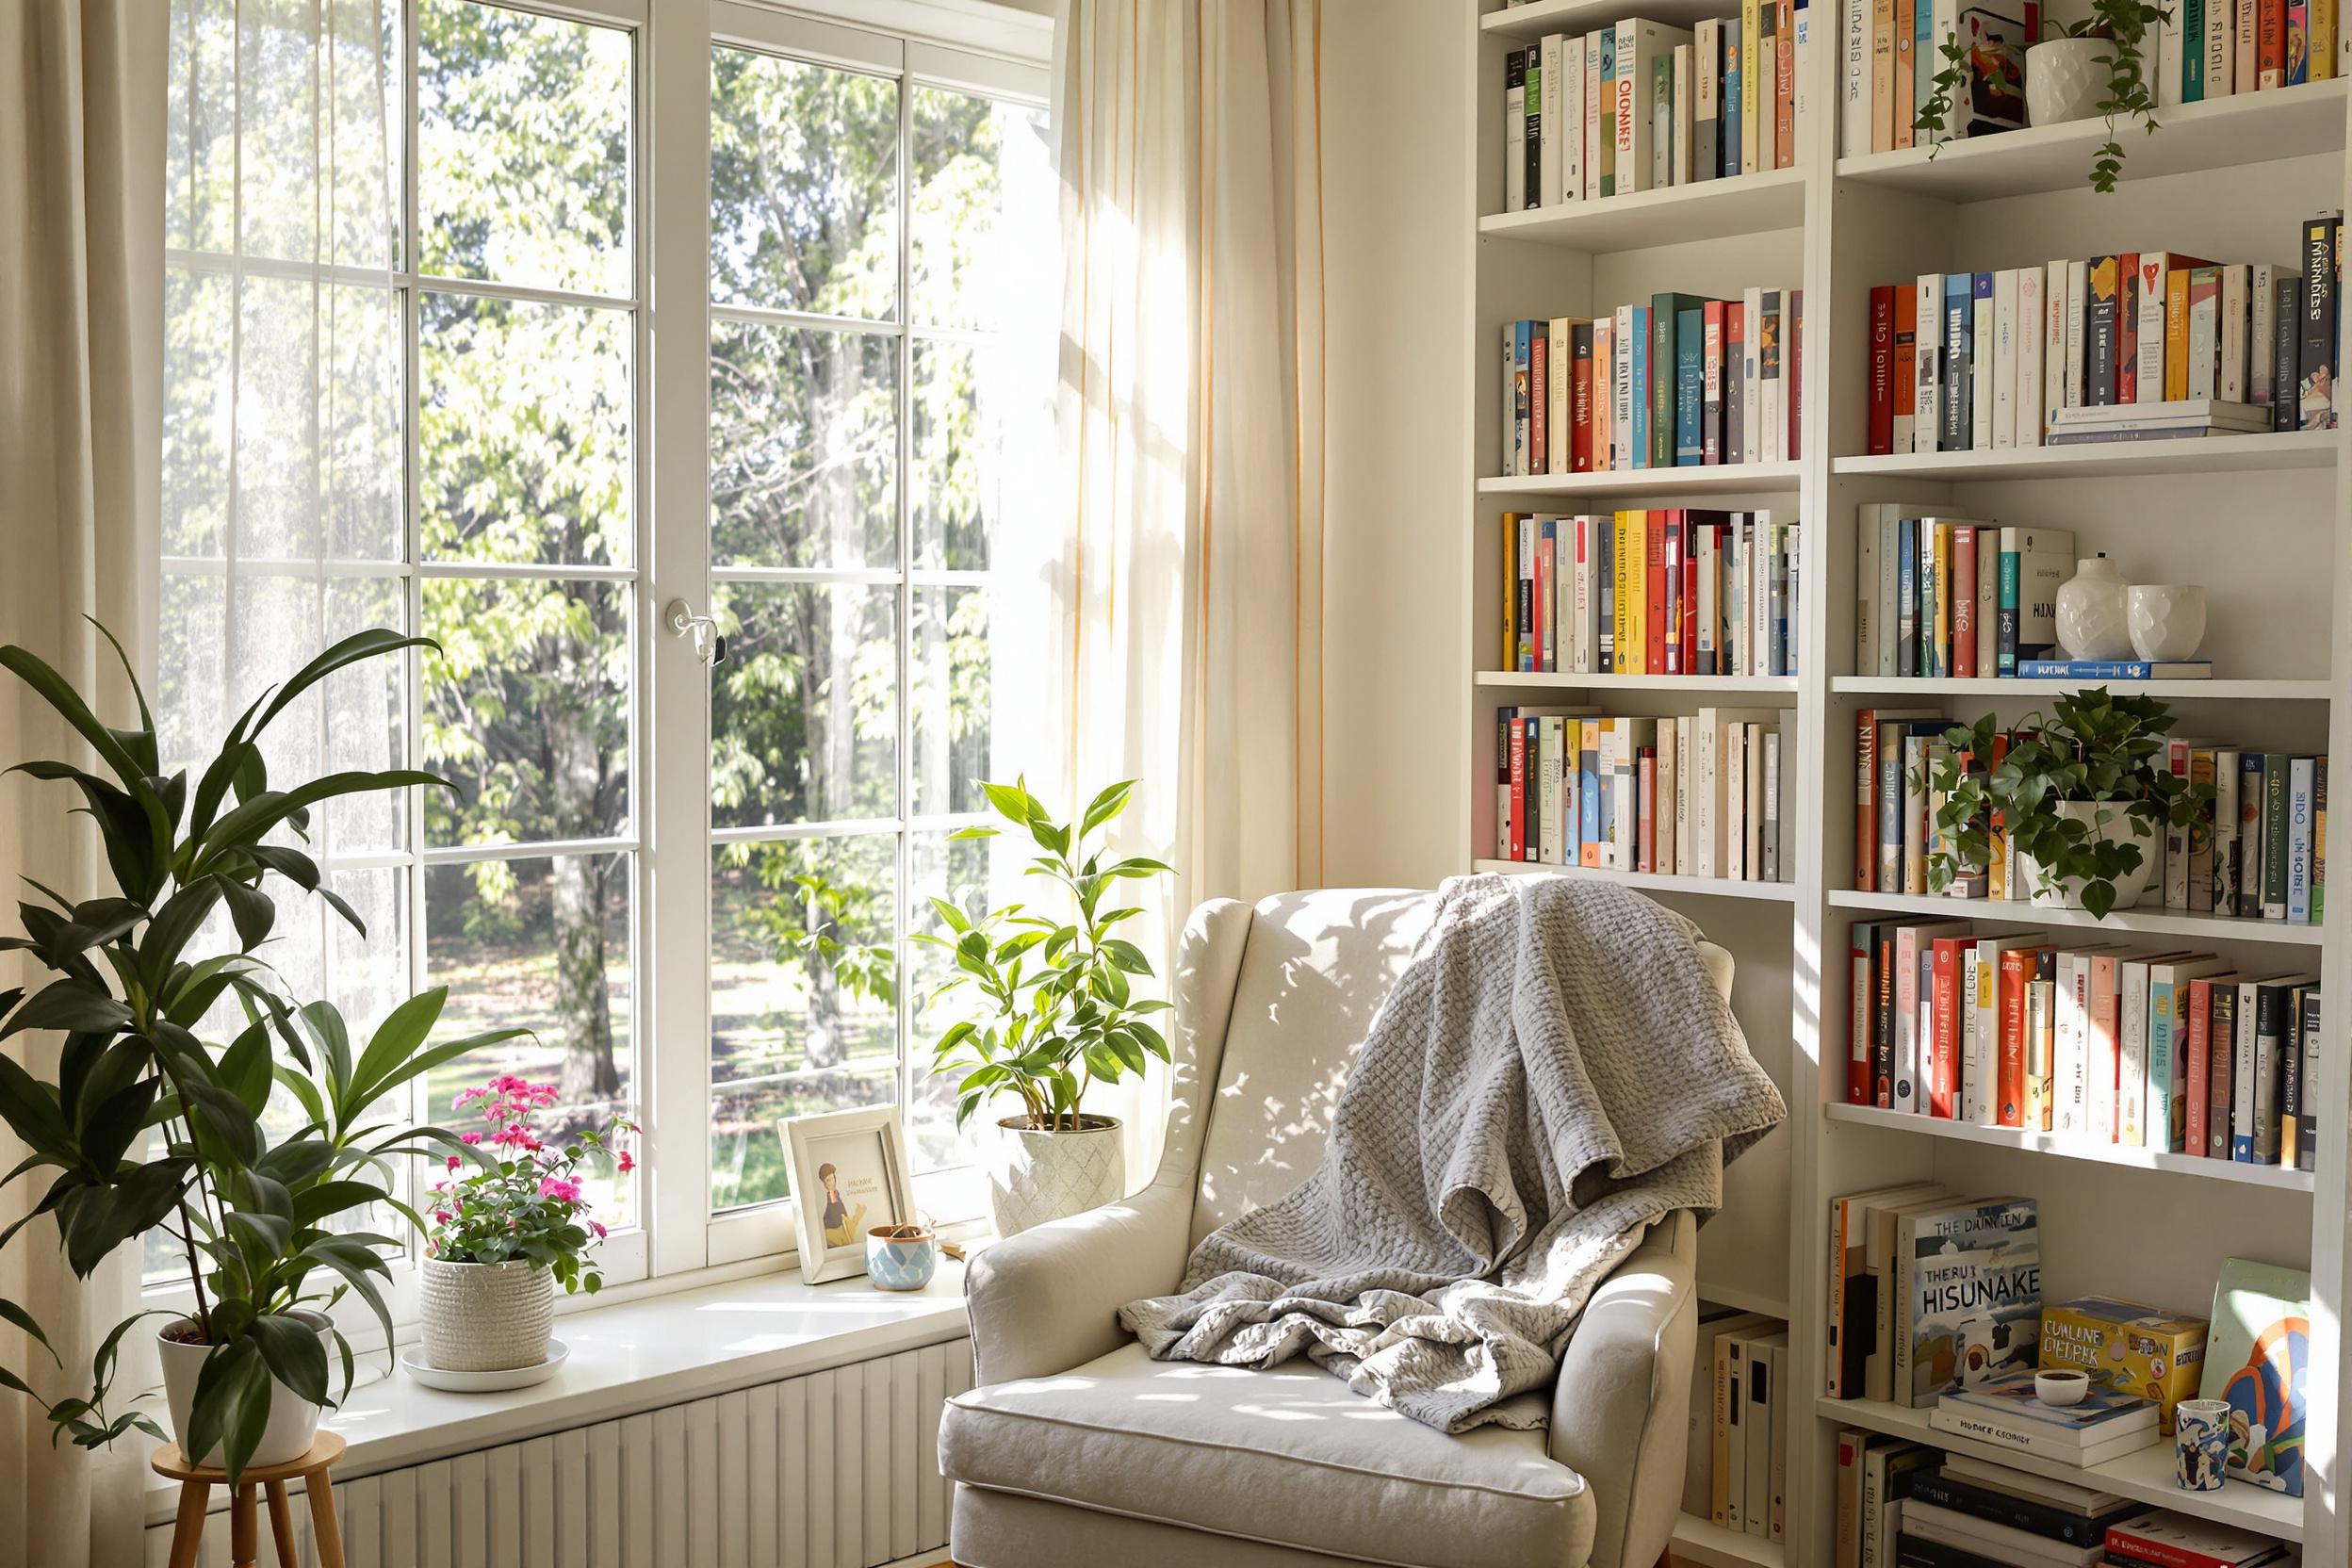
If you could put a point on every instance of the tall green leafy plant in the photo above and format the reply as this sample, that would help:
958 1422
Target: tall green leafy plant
1059 1012
144 1124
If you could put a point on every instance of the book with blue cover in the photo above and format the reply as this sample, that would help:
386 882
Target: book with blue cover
1953 401
2115 669
1641 388
1690 384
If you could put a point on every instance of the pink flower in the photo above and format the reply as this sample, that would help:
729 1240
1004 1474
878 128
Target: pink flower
625 1162
598 1229
469 1137
559 1189
454 1162
441 1216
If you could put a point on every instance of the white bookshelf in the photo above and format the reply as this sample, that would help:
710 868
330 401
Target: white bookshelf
2264 521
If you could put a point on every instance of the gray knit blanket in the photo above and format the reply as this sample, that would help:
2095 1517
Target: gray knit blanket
1554 1072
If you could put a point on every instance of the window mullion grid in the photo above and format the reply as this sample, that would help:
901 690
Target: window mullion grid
412 518
901 897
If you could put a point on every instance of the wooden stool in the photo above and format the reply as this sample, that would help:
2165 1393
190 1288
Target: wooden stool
196 1484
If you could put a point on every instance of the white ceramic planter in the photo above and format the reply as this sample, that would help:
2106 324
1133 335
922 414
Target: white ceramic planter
2119 829
293 1420
487 1316
1034 1177
2064 80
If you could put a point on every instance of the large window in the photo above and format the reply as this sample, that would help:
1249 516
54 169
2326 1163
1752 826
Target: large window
409 383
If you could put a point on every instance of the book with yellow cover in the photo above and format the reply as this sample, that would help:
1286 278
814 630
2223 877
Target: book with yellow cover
1633 593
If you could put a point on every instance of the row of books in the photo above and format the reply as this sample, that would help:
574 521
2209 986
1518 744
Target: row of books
2175 1051
1641 106
1892 51
1650 592
1681 382
2043 355
1709 794
2257 851
1927 1285
1736 1470
1943 596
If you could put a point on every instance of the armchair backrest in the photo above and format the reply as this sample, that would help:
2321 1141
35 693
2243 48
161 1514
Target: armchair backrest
1311 969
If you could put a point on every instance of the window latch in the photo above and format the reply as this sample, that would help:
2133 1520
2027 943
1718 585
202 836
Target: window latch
709 642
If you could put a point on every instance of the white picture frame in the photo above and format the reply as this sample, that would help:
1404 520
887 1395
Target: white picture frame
849 1166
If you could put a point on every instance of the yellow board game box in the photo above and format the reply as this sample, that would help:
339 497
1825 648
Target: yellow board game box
2138 1348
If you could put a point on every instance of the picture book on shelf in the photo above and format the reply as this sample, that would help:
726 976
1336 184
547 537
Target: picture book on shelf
2257 1357
1969 1297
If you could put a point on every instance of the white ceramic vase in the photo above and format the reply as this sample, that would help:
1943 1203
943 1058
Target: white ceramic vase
487 1316
1034 1176
2093 620
293 1420
2167 619
2118 828
2064 80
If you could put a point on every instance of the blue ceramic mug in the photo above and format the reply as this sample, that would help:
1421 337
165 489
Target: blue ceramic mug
902 1257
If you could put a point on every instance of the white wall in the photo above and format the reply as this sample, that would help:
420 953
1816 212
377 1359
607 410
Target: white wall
1392 74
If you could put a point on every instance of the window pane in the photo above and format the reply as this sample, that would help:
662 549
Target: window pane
360 71
957 870
982 213
279 149
359 418
803 187
526 709
273 631
367 726
803 973
966 405
949 668
277 413
523 435
199 392
747 1163
200 132
803 447
368 974
803 713
522 148
190 684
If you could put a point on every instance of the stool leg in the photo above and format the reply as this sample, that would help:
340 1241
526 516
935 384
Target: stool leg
187 1530
244 1531
324 1528
282 1524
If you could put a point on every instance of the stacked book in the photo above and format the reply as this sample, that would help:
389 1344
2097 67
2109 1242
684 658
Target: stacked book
2186 419
1937 595
2259 850
1680 382
2158 1539
2179 1052
1737 1473
1641 106
1928 1287
1892 51
1704 795
1650 592
1988 361
2003 1412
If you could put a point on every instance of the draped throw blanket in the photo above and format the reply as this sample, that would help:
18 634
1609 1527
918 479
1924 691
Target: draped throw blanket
1554 1071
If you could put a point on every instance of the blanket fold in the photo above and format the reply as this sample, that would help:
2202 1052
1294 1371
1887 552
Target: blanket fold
1554 1072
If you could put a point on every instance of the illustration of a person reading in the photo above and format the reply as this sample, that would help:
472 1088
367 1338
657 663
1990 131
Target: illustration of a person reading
841 1222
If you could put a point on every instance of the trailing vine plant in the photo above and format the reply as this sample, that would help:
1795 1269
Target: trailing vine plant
2124 24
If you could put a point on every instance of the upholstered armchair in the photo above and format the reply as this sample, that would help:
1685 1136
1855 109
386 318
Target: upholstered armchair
1078 1451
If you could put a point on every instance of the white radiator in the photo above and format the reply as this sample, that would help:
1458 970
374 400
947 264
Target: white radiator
836 1469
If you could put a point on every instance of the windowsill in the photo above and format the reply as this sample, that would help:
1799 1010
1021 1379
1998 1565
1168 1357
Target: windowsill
636 1356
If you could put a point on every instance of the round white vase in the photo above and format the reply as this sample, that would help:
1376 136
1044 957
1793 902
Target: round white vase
2120 827
2094 621
1034 1176
2167 619
487 1316
293 1421
2064 80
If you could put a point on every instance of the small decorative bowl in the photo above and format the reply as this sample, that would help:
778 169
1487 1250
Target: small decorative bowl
902 1257
2061 1387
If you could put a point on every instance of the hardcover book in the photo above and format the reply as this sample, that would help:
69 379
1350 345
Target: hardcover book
2257 1358
2004 1411
1968 1296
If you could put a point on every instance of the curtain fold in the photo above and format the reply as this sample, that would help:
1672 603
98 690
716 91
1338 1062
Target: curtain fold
81 306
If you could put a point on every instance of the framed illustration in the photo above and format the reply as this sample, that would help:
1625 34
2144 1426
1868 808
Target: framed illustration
849 1174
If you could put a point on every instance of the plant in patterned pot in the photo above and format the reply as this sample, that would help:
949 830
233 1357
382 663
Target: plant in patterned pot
1059 1011
505 1233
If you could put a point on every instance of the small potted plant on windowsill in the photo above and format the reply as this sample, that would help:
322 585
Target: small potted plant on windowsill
1059 1013
2082 795
507 1233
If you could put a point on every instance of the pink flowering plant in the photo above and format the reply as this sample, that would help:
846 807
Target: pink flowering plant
524 1201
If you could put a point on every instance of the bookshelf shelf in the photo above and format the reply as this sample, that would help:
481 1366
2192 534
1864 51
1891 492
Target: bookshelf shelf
2225 133
2271 1176
2211 690
1528 23
1744 1301
1725 479
1703 1544
2144 1476
2128 923
1701 685
1712 210
1710 887
2217 454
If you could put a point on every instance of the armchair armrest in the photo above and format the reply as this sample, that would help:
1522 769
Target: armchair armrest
1047 1299
1620 1411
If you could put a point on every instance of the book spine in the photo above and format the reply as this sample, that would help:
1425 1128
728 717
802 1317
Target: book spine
2316 377
2275 777
1953 399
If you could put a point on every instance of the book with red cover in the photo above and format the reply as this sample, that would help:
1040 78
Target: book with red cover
1580 402
1964 549
1942 1077
1866 801
1907 365
1881 427
1654 570
1862 1007
1518 792
2198 1064
2015 973
2161 1539
2270 44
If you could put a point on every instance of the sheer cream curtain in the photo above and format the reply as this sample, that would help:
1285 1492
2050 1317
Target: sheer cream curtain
81 302
1187 565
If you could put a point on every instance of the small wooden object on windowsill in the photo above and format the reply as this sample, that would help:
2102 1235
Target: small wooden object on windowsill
196 1484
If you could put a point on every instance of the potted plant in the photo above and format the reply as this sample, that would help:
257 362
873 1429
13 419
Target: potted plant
506 1232
265 1226
2096 66
2081 794
1058 1013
